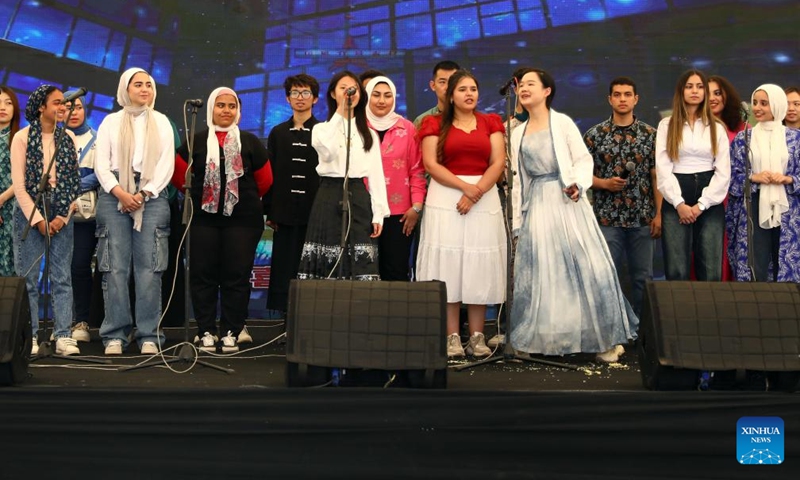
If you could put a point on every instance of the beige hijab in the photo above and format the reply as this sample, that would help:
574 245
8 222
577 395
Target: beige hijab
127 141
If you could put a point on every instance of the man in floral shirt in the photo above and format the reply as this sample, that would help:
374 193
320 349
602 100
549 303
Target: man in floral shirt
627 203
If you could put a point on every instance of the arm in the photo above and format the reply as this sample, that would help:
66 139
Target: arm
737 159
582 162
166 160
103 155
667 183
7 195
263 178
324 138
179 173
717 189
658 199
18 161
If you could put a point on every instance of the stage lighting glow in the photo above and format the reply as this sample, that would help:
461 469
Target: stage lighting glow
781 58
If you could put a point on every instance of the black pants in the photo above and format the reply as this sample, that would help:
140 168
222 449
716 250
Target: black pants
766 246
394 250
287 245
221 264
84 244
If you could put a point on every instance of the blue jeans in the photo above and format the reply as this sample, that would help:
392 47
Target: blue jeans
27 258
637 246
118 247
703 238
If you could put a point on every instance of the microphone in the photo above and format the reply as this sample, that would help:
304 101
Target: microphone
507 85
77 93
629 168
351 91
744 111
197 103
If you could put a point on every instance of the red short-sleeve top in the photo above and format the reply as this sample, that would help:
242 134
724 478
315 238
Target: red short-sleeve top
465 153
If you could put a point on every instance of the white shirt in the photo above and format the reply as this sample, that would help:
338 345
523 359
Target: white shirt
107 151
329 140
694 156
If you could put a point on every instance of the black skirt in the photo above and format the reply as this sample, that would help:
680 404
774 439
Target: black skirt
322 253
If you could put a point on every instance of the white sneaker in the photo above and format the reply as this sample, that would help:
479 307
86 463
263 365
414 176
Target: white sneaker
208 343
35 346
149 348
609 356
67 346
244 337
80 332
620 350
114 347
454 348
477 346
496 340
229 343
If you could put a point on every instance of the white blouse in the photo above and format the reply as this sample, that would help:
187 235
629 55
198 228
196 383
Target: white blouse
107 152
330 141
694 156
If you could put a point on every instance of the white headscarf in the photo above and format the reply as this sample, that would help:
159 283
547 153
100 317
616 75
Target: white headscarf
127 141
770 153
232 148
387 121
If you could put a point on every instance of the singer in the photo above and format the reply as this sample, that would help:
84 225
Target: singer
626 203
693 164
232 173
322 249
462 241
31 151
134 162
775 207
567 298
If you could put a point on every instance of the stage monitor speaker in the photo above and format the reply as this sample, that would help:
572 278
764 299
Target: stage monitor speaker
343 324
733 329
15 330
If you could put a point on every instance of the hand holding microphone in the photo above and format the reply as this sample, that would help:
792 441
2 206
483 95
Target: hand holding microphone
617 184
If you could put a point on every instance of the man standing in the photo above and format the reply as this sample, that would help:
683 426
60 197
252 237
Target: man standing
288 203
627 203
441 74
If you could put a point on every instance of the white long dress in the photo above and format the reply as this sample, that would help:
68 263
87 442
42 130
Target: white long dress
567 297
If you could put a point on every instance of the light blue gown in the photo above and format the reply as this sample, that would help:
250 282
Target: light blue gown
567 298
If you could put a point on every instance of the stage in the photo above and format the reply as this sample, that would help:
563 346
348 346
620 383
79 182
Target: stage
493 421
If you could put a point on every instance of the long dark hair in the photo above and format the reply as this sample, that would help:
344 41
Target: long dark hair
449 112
680 115
731 114
14 126
360 110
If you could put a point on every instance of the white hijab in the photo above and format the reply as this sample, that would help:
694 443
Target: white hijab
211 142
387 121
770 153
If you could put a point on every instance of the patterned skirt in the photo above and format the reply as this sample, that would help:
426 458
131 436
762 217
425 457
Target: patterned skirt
322 253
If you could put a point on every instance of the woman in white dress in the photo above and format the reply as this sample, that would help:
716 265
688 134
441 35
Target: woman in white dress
567 298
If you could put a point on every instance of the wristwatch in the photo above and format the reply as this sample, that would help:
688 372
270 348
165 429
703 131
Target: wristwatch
418 210
701 206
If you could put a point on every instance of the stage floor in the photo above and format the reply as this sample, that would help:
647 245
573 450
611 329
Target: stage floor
262 365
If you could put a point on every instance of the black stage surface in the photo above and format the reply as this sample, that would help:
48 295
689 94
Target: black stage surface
494 421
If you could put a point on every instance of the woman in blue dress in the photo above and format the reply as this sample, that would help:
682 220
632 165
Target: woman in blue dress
567 298
775 208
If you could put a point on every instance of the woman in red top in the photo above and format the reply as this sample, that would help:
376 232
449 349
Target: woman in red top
463 241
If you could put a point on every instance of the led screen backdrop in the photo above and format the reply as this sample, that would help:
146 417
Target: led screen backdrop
193 46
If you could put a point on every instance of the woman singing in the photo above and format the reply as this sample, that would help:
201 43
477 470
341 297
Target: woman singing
134 162
31 151
405 178
463 241
693 167
322 252
775 207
567 298
232 173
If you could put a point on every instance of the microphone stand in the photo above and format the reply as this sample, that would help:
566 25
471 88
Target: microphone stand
46 349
345 203
505 353
187 353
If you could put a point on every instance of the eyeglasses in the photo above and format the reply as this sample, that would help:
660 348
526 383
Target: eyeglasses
300 94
